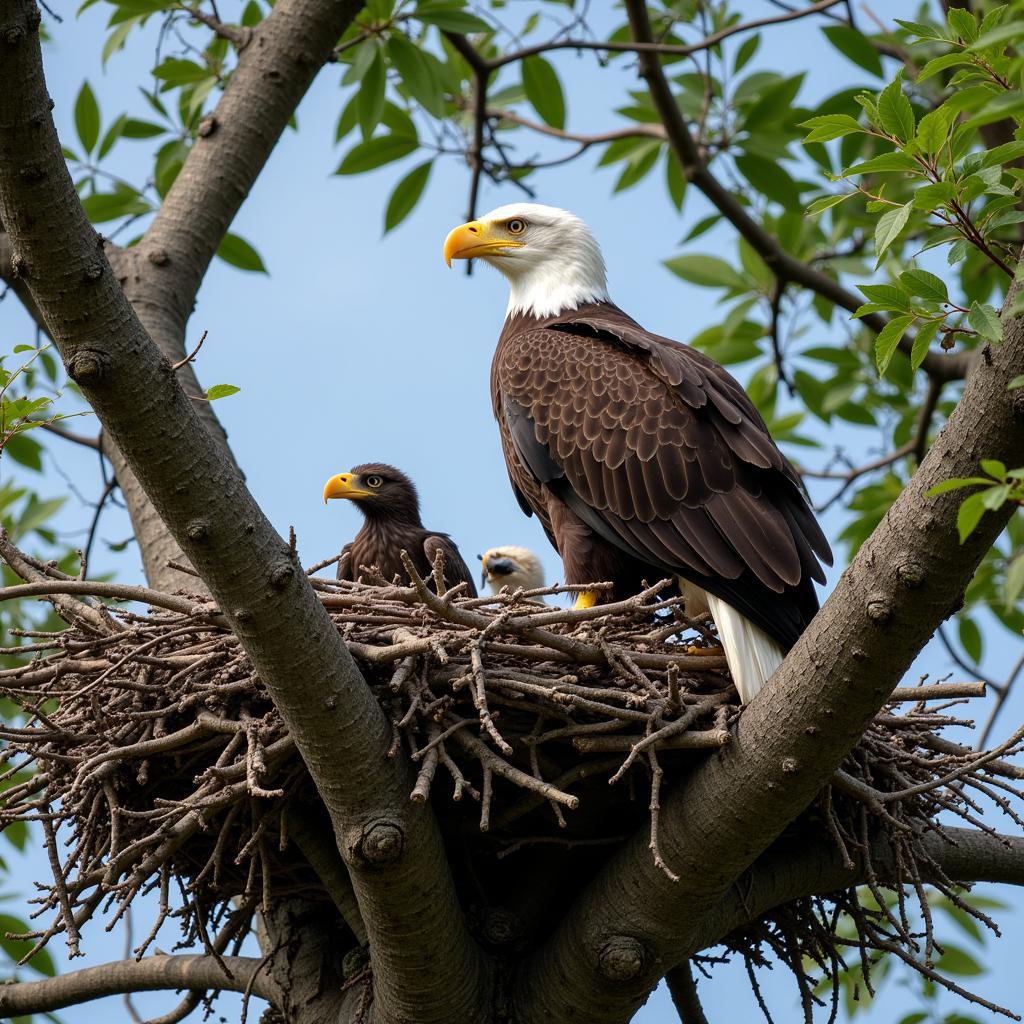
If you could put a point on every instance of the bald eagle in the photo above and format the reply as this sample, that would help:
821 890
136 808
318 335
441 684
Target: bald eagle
511 567
391 512
641 457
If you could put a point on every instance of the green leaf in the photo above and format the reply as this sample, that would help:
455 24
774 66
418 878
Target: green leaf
375 152
123 203
239 253
175 71
884 164
888 229
417 74
994 468
999 36
451 19
934 129
985 320
922 342
406 195
963 23
826 203
135 129
957 961
370 98
937 64
112 134
675 180
895 111
1013 585
888 339
544 91
709 271
830 126
928 286
769 178
1016 383
969 515
221 391
747 50
970 639
956 484
855 47
87 117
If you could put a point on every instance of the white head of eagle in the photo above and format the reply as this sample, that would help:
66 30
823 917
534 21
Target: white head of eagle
549 256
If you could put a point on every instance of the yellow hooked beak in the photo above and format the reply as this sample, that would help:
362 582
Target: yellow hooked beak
475 238
342 486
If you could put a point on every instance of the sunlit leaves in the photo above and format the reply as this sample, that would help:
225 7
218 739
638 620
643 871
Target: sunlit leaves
417 74
830 126
221 391
888 228
895 111
985 320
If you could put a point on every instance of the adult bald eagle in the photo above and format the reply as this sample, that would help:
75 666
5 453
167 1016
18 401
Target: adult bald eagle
641 457
391 510
511 567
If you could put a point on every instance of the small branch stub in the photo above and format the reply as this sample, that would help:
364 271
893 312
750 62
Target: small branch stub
622 958
87 366
382 843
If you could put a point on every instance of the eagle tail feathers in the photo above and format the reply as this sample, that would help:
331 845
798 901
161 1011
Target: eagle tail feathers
753 655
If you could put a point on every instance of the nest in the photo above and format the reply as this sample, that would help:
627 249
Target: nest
153 758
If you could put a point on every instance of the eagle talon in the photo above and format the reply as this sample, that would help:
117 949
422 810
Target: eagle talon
707 652
587 599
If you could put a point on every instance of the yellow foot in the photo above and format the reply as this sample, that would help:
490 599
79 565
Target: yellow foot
708 652
587 599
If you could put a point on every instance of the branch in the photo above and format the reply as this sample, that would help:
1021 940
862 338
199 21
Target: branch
786 267
391 845
649 46
907 578
683 989
196 973
86 442
817 868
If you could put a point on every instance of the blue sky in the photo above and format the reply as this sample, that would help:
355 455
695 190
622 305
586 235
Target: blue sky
359 348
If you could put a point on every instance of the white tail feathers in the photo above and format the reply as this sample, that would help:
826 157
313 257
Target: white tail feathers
751 653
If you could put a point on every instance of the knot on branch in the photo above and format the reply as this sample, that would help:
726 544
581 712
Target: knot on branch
911 572
501 927
197 529
621 958
879 609
382 842
14 34
207 126
88 366
158 257
281 576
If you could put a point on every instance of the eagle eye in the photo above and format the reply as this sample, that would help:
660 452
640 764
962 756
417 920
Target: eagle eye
373 480
516 226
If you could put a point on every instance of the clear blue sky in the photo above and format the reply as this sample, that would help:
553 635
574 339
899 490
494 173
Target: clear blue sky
348 350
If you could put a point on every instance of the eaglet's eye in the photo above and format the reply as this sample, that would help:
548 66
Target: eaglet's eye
516 226
373 480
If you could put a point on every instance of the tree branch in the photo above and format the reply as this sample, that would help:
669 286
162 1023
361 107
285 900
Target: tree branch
786 267
907 578
425 966
650 46
683 989
196 973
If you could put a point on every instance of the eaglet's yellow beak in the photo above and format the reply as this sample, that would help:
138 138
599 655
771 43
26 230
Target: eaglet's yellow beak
476 238
343 486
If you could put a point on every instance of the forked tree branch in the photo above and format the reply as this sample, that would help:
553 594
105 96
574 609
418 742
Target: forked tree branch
153 973
391 846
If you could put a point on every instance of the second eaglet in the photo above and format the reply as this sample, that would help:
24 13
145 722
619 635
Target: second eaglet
641 457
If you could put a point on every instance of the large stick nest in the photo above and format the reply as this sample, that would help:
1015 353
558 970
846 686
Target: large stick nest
154 759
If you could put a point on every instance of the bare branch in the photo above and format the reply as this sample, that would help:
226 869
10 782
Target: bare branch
198 973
